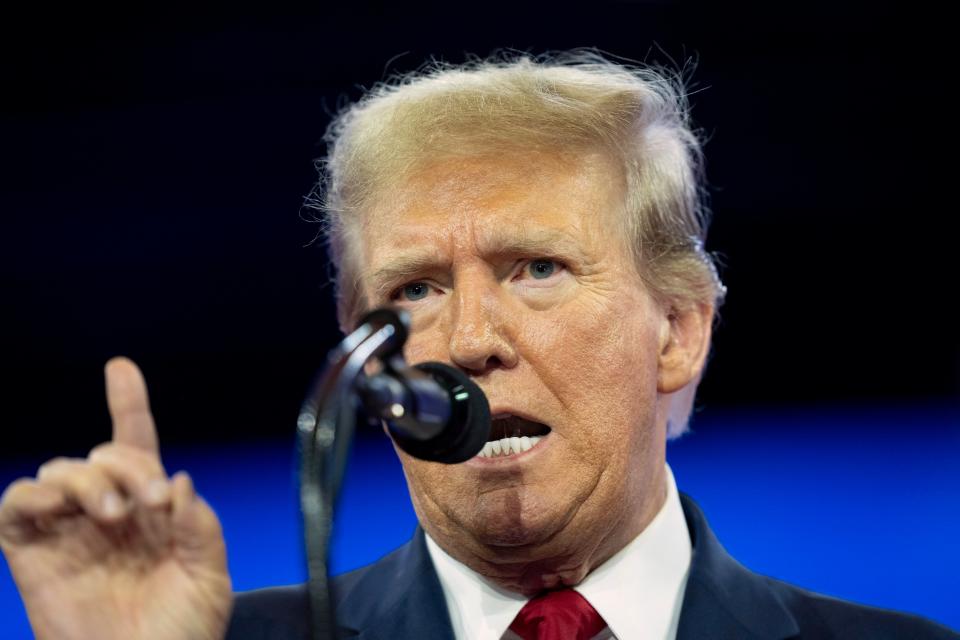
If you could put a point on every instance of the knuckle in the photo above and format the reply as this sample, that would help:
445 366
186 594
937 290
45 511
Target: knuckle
102 450
69 472
54 466
124 469
16 490
118 455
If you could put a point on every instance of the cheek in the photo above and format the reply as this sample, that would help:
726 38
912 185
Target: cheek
598 357
426 343
441 494
429 337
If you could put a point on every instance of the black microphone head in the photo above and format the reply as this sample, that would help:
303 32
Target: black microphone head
468 428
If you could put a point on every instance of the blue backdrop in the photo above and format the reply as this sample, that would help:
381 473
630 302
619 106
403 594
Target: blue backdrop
860 503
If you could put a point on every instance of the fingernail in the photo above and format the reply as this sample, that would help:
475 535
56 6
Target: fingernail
158 491
112 504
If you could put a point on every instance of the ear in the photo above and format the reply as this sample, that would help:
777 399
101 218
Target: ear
684 344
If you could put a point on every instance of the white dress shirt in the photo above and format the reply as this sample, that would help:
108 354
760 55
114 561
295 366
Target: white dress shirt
638 591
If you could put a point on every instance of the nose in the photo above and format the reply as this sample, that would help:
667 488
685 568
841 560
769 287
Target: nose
479 337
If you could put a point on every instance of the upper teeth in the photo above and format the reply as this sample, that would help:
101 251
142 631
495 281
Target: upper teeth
508 446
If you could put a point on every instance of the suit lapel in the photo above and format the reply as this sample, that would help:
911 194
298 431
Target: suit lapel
399 597
724 600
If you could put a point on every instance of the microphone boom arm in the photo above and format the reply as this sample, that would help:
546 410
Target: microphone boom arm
432 411
325 429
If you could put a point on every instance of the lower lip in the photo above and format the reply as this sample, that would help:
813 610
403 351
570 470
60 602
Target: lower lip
481 462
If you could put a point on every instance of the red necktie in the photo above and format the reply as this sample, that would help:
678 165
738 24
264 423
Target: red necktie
558 615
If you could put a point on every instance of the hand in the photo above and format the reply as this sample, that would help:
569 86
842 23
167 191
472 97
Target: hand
109 547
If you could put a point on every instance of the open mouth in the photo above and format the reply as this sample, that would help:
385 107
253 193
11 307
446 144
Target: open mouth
510 435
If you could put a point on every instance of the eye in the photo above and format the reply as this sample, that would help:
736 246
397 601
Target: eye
542 268
413 291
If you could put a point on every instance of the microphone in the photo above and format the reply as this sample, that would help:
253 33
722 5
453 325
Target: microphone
433 411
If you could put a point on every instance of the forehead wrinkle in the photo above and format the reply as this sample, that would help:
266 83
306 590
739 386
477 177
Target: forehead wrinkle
487 241
476 236
527 239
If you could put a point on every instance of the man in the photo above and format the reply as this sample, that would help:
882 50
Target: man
541 222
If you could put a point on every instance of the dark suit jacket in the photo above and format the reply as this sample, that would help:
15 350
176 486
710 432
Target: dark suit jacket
399 597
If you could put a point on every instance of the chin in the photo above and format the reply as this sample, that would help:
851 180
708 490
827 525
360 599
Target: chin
516 521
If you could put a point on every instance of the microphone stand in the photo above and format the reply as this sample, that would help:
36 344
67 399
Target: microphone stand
325 429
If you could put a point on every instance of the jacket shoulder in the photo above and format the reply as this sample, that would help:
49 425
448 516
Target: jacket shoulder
823 616
270 614
283 612
399 596
724 599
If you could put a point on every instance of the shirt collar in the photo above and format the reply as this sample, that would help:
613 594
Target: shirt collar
478 608
638 591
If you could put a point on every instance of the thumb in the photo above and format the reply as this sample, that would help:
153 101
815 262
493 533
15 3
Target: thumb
197 534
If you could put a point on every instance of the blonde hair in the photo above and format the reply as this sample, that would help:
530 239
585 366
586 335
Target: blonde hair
575 101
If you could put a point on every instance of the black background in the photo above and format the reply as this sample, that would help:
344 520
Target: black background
154 165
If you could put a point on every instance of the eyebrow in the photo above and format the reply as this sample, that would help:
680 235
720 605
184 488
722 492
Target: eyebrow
534 242
400 268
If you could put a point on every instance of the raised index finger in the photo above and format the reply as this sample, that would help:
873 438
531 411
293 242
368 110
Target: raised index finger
129 406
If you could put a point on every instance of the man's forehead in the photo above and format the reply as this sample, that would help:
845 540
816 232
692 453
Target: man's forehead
457 187
520 204
448 184
488 189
